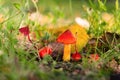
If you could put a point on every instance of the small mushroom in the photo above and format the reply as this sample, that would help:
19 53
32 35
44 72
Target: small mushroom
25 30
94 57
76 56
45 51
67 38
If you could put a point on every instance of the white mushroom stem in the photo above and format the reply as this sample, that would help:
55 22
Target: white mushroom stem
67 51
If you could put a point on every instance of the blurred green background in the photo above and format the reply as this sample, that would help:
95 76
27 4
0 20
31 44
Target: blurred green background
70 8
15 66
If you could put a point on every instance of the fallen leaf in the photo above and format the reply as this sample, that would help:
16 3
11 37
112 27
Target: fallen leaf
81 35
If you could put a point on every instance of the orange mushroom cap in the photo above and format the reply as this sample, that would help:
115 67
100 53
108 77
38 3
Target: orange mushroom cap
66 38
94 57
45 51
76 56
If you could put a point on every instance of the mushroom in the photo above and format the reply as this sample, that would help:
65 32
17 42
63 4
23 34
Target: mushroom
76 56
94 57
67 38
26 32
45 51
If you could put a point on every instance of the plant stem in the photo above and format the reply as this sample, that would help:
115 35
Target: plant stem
117 4
75 43
76 48
35 4
30 39
70 5
31 42
96 44
11 17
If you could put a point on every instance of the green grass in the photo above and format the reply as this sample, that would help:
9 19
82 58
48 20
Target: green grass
18 59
